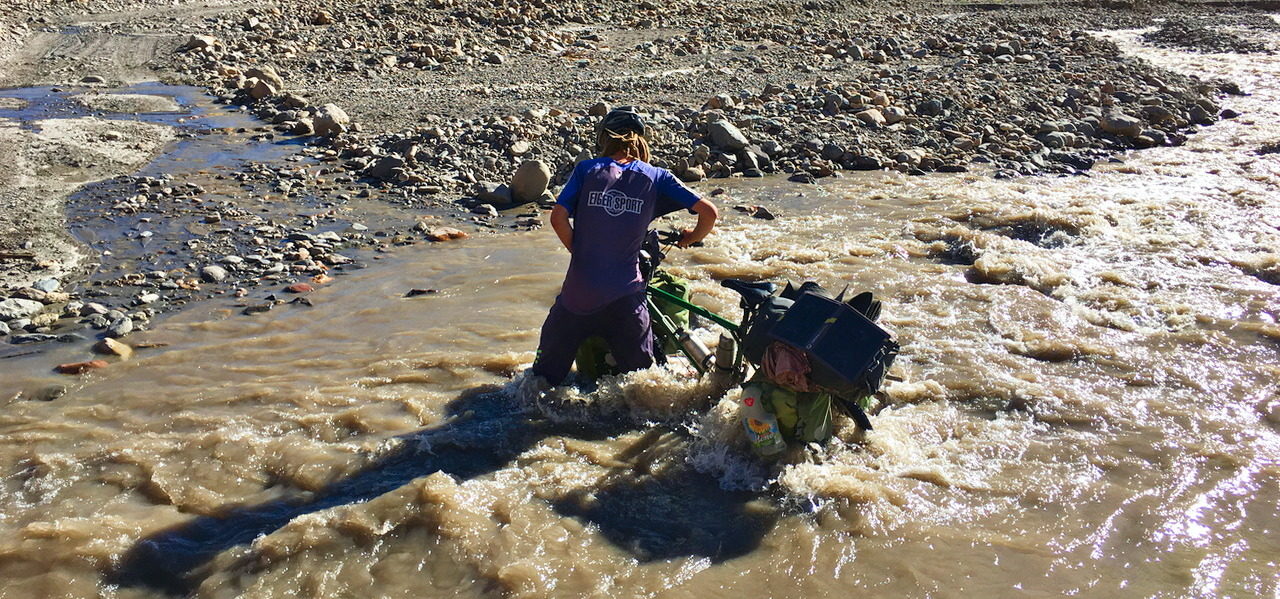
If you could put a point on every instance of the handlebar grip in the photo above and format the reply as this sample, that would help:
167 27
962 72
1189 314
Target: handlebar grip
670 237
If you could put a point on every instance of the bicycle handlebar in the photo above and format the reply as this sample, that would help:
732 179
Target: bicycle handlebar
673 237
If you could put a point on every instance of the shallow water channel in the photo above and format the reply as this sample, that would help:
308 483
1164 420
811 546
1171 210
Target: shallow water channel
1087 406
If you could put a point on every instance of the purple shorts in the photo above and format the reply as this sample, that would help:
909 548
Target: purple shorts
623 323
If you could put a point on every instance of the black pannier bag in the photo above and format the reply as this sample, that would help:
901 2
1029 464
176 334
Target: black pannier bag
848 354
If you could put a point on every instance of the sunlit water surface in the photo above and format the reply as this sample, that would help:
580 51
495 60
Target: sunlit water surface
1087 406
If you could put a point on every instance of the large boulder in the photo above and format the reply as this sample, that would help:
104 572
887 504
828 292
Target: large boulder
1119 123
260 89
15 308
331 120
200 42
598 109
387 168
267 74
493 193
530 181
726 136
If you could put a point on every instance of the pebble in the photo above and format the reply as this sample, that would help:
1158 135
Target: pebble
120 327
81 367
213 273
112 347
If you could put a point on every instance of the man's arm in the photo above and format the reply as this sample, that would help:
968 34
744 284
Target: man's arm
707 215
563 228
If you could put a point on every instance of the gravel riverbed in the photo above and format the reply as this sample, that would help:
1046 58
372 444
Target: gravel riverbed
435 120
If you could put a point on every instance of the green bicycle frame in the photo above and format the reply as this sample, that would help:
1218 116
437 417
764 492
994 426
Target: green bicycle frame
696 309
667 329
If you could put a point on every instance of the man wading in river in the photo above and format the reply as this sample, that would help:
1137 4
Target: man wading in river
611 201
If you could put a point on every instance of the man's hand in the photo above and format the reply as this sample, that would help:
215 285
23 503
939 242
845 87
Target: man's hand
707 215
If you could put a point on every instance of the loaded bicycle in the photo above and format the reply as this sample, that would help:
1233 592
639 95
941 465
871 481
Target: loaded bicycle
800 352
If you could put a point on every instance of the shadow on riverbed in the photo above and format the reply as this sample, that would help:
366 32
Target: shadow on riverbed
652 516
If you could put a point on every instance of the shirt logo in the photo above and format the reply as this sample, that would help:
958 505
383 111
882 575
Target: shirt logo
614 202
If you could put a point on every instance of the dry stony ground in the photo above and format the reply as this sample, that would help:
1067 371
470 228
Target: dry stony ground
436 103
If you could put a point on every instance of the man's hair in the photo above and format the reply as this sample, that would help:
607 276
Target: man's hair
629 143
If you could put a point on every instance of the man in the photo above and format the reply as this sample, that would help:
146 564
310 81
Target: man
601 217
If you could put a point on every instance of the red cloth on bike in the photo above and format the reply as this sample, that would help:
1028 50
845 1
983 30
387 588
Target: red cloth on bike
787 366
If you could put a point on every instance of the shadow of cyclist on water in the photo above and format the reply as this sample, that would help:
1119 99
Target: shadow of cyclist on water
654 516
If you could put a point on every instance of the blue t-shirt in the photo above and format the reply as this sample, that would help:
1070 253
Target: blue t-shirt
612 205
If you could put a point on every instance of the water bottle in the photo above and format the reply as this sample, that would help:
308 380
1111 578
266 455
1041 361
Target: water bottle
695 349
762 427
725 351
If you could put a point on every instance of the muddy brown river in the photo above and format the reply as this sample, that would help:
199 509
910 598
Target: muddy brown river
1087 406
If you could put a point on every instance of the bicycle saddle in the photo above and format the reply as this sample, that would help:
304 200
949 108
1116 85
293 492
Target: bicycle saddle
753 293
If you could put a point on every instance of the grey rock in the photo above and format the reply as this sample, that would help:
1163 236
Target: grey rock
493 193
49 393
386 168
331 120
485 210
929 108
893 115
693 174
14 308
1119 123
4 329
1157 114
200 42
261 89
1054 140
867 163
120 327
598 109
727 136
31 338
267 74
213 273
98 321
530 181
1200 116
48 285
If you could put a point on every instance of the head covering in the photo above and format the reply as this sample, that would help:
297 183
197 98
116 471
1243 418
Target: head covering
622 120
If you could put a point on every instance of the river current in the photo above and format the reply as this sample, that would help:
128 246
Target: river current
1085 404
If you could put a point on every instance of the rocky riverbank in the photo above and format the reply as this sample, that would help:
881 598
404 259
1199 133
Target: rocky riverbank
468 109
